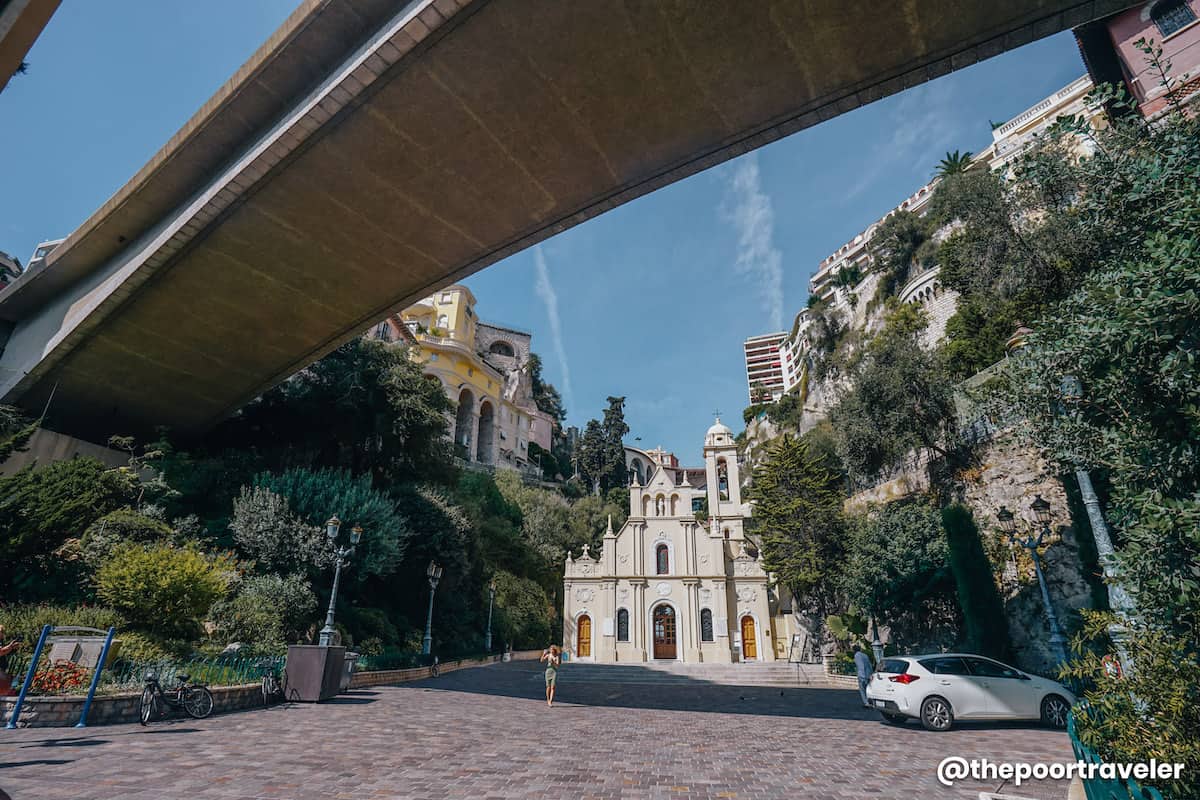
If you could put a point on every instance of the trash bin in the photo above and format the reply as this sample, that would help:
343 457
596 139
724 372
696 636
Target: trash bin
348 670
314 672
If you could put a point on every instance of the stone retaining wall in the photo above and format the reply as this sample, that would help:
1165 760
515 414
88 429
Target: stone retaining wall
48 711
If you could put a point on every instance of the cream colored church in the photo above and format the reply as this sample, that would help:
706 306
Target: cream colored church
666 586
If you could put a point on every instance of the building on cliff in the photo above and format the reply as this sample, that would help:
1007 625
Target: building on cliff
484 370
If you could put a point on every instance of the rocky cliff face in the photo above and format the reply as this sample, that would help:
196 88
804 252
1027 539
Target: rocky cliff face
1011 474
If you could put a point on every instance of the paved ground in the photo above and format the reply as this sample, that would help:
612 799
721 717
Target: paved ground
486 734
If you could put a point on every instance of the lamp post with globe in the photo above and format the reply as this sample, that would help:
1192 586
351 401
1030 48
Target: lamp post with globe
1031 541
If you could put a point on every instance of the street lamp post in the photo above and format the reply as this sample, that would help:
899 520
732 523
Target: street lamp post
341 556
1071 390
1031 542
487 638
434 573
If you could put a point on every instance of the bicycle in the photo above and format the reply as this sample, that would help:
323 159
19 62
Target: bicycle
273 684
195 699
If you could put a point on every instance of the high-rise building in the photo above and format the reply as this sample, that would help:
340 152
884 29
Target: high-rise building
10 269
765 372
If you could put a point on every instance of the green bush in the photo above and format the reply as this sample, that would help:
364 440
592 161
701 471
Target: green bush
139 647
118 527
25 621
268 611
161 589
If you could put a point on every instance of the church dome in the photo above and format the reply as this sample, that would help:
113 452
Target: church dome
718 434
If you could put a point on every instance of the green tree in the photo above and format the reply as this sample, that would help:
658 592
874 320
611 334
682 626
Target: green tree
266 530
901 246
121 527
616 475
41 508
523 612
366 407
898 571
267 612
545 516
797 521
161 589
900 401
984 623
592 456
315 495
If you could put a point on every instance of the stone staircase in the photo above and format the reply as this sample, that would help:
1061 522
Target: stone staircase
776 673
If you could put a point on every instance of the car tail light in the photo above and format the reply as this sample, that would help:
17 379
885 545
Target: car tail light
905 678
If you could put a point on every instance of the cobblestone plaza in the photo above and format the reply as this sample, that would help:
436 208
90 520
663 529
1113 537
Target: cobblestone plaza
486 733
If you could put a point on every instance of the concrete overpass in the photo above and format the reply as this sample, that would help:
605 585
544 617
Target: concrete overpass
21 22
373 150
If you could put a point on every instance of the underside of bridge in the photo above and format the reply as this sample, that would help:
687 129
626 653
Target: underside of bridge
373 151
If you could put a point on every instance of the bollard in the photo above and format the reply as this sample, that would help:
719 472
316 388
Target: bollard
87 704
37 655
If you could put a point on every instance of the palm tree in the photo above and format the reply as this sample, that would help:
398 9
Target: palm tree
954 163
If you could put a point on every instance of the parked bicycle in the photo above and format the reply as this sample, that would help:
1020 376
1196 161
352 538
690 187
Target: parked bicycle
195 699
274 683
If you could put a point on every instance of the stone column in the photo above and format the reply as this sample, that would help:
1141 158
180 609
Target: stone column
692 637
637 619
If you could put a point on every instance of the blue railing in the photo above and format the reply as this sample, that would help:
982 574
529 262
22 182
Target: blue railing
1098 788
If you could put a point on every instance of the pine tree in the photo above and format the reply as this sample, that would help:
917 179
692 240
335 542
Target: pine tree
797 520
591 455
615 475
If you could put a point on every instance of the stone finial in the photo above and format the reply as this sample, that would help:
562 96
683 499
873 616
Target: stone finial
569 559
609 532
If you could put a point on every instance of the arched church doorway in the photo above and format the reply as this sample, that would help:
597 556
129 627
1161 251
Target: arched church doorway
583 637
664 632
487 433
749 642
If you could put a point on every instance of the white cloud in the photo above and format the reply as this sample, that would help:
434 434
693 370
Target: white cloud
752 215
545 292
925 123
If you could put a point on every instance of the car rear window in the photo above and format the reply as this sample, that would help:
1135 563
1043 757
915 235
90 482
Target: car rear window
893 666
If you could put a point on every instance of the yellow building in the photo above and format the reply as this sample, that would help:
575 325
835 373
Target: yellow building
484 370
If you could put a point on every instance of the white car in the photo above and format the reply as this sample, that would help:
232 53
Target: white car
943 687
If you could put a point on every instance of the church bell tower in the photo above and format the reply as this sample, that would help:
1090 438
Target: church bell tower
723 480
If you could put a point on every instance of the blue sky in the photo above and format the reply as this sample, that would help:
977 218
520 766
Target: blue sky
651 300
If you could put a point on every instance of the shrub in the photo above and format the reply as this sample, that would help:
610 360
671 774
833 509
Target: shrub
25 622
117 527
161 589
1152 711
268 611
140 647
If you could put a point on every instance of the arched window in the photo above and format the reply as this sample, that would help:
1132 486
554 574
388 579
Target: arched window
502 349
706 628
1171 16
722 479
622 625
662 558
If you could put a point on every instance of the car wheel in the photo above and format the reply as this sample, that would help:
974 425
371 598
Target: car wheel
936 714
893 719
1054 711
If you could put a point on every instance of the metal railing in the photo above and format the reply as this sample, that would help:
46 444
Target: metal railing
125 675
1097 788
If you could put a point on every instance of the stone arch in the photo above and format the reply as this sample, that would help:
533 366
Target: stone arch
502 348
464 421
674 505
487 433
646 501
660 505
722 479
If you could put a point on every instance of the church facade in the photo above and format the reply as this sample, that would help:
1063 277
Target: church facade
668 586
